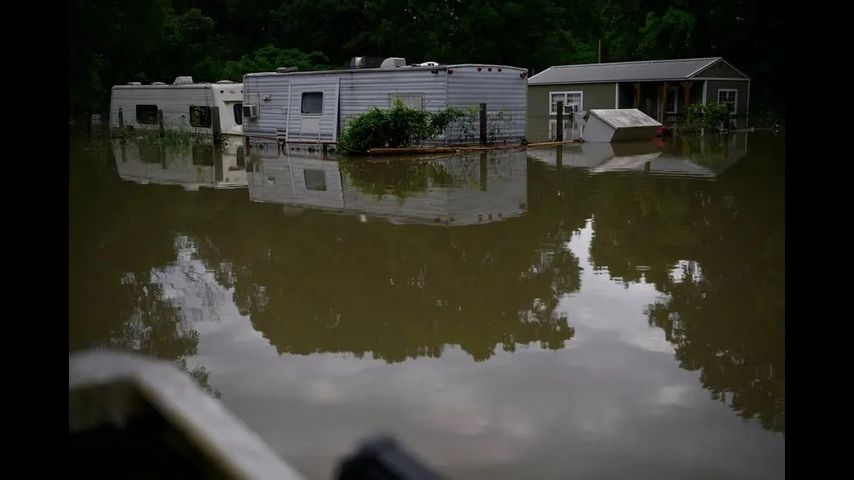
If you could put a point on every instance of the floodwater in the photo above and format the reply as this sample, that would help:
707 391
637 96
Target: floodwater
588 311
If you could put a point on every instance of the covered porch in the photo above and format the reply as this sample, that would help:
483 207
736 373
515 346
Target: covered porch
665 101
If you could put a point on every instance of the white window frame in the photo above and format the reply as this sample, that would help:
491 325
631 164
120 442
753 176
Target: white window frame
672 92
553 111
407 99
735 99
302 103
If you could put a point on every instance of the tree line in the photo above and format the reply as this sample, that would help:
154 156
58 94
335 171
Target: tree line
114 42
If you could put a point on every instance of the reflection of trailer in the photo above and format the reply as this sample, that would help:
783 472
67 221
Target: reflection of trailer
186 106
478 188
191 166
313 107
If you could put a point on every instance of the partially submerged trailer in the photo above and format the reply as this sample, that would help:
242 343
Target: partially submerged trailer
314 107
198 108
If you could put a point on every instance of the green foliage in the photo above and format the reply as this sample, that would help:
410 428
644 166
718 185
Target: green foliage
398 126
172 137
268 58
668 36
156 40
707 116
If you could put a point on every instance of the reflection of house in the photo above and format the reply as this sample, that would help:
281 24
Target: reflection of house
478 188
685 157
191 166
660 88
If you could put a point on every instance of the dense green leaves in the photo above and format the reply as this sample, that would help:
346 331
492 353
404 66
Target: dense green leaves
399 126
114 42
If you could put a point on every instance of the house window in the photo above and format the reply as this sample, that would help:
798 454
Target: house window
312 102
730 97
672 99
315 180
146 114
412 100
238 113
572 101
200 116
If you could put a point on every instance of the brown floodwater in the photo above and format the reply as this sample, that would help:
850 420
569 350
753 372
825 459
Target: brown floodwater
585 311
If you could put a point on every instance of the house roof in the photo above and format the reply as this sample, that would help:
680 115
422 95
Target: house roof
650 70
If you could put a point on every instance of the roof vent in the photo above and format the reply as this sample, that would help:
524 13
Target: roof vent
286 69
134 83
225 81
365 62
393 62
185 80
428 64
158 83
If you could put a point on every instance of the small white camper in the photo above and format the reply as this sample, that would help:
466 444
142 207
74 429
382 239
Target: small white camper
187 106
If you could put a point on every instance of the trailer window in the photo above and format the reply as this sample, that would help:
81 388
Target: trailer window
238 113
146 114
312 102
315 180
200 116
412 100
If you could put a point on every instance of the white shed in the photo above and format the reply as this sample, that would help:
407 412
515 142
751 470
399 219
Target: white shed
617 125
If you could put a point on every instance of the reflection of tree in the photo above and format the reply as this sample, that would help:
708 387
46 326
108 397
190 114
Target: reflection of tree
120 235
400 178
723 307
642 226
733 335
396 291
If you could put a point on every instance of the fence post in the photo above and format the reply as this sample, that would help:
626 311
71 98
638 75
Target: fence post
483 124
484 173
215 126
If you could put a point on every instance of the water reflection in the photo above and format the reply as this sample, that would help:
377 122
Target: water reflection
697 157
191 165
464 190
605 311
714 250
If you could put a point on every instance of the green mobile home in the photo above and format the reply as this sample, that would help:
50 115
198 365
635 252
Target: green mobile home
660 88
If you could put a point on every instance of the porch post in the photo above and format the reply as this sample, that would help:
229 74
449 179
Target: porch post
637 94
664 89
686 91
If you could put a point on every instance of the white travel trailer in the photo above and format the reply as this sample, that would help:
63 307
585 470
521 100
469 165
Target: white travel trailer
188 106
313 107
